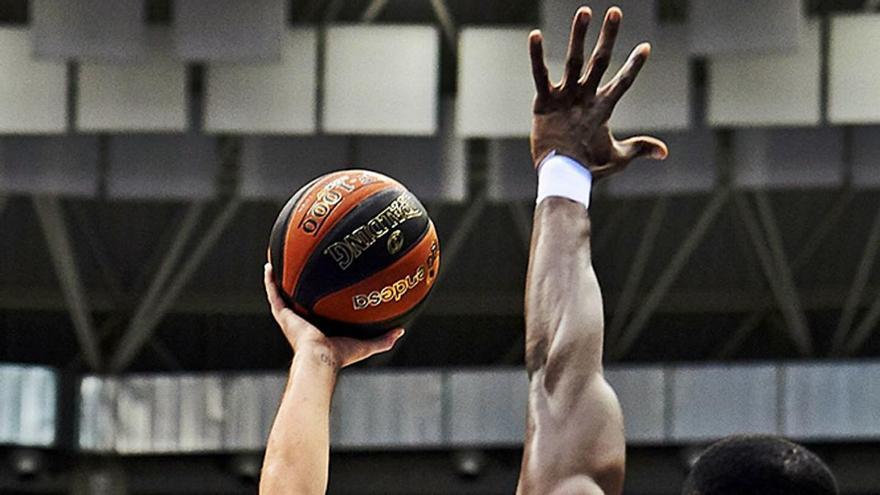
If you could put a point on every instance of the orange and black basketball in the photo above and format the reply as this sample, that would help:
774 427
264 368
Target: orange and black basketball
355 253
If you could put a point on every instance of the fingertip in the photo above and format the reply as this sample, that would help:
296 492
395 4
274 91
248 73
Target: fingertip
583 14
536 43
660 153
644 47
655 149
614 14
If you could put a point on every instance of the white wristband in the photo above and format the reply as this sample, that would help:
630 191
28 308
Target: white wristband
562 176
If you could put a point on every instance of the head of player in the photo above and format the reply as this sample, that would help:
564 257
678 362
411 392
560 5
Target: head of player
768 465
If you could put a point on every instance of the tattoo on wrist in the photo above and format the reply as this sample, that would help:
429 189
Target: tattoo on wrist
328 360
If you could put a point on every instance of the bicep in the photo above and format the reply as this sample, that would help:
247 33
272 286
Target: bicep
574 437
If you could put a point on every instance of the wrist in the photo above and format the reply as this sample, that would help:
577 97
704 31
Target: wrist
562 176
542 152
317 355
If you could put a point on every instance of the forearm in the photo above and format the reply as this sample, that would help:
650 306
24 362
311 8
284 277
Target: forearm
298 450
575 442
564 323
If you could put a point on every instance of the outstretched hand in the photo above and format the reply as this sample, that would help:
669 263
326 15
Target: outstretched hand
338 352
572 117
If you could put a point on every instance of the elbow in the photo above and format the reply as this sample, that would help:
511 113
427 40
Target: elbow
276 479
536 354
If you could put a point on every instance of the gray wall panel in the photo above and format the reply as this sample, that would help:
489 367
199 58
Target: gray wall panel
201 413
65 165
275 167
136 414
459 408
418 163
832 401
853 85
744 25
70 29
360 98
866 156
387 409
33 95
28 405
250 402
147 96
433 168
789 158
689 168
642 394
495 90
97 414
713 401
165 432
162 166
511 173
229 30
10 403
487 407
767 89
276 98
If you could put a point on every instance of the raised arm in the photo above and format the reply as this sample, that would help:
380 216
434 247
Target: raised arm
298 451
574 440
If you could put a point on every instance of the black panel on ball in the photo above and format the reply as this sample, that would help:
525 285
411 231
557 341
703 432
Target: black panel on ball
279 234
322 275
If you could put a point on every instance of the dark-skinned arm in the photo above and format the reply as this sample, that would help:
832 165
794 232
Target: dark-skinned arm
574 440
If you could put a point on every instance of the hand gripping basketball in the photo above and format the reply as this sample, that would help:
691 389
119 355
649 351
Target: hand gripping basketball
338 351
354 253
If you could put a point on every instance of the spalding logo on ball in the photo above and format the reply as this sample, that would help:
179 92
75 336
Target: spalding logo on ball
355 253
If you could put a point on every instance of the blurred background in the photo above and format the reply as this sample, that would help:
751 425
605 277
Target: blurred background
146 147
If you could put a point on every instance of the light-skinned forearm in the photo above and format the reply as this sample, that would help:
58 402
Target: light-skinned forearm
298 450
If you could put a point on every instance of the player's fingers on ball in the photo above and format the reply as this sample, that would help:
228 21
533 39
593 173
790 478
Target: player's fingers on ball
271 291
601 57
291 319
574 60
539 68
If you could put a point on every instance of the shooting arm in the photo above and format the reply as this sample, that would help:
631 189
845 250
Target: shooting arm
298 451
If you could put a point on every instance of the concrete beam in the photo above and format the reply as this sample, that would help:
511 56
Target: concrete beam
140 329
51 218
640 320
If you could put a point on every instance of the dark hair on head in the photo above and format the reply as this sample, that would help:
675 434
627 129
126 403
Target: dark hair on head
766 465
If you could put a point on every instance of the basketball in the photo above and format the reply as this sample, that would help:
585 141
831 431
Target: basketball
355 253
